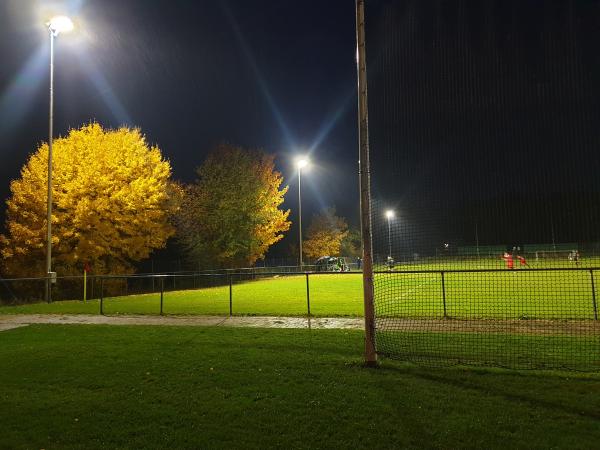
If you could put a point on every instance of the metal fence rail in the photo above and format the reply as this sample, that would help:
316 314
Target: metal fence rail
522 318
30 290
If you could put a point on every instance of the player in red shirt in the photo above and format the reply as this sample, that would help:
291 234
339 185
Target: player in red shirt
510 262
522 261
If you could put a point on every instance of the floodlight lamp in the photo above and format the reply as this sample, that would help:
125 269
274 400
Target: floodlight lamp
302 163
389 214
60 24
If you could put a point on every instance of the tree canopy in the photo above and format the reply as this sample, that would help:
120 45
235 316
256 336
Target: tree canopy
231 215
325 234
352 243
112 204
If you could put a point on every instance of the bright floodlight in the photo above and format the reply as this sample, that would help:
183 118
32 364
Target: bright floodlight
302 162
60 24
389 214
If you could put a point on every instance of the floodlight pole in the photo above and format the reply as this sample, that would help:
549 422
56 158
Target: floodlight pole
552 230
389 218
477 237
55 26
49 203
365 187
300 213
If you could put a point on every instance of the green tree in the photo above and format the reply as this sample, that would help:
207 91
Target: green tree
352 243
325 234
113 203
231 215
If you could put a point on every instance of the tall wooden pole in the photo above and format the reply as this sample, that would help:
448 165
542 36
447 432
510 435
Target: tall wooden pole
365 187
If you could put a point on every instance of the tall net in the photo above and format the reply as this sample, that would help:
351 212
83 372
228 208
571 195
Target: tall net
485 140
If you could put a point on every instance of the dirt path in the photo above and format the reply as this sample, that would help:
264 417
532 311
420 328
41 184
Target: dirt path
537 327
8 322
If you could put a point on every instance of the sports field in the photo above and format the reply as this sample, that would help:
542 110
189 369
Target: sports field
330 295
87 386
517 294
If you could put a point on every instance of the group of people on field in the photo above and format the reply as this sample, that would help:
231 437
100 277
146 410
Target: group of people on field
510 258
574 256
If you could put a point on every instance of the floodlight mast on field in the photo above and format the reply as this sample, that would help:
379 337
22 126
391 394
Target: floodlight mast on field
301 163
56 25
389 214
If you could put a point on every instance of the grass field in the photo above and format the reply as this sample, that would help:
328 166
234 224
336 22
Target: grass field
457 263
478 295
337 295
72 387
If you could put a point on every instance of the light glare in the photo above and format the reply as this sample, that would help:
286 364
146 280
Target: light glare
302 163
389 214
60 24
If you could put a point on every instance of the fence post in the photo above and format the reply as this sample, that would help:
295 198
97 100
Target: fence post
307 295
152 262
162 290
230 295
444 294
594 295
101 296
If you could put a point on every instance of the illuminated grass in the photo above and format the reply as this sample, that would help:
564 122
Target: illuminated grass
468 295
337 295
73 387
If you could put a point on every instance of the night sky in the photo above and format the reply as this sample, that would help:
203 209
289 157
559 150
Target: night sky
276 75
484 122
484 114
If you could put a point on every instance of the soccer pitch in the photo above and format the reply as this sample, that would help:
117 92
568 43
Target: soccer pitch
330 295
504 294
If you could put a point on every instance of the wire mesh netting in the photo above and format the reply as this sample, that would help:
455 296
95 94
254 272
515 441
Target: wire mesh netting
220 293
483 124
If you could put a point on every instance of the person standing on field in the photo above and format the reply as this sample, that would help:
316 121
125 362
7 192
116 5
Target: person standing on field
510 262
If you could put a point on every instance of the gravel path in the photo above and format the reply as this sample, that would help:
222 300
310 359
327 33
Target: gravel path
8 322
537 327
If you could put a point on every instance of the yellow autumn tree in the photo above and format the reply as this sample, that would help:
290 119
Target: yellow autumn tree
231 215
112 204
325 235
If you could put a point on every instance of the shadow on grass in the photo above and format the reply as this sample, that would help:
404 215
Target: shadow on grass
549 390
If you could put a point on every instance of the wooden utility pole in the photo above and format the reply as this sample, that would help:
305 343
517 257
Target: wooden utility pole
364 170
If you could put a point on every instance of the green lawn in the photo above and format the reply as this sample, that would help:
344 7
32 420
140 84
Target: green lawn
488 295
72 387
479 295
456 263
337 295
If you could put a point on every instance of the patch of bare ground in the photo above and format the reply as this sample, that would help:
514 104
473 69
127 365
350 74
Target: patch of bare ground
531 327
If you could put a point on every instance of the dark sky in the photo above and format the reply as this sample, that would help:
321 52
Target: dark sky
279 75
485 121
484 114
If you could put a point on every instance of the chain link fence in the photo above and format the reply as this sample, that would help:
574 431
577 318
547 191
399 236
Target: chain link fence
483 127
